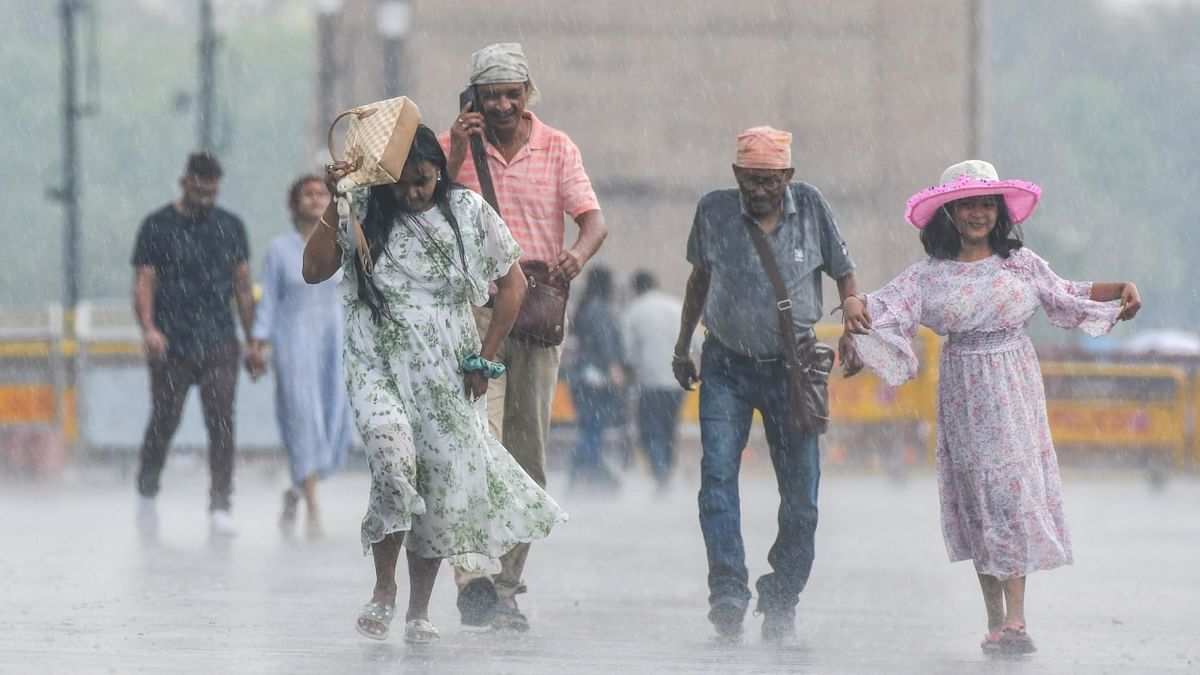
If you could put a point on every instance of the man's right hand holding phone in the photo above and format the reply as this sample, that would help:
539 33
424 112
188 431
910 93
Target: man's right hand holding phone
469 123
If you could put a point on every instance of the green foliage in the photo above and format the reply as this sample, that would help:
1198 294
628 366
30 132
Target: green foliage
1100 107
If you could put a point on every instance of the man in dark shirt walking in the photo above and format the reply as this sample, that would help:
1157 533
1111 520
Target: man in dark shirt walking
190 257
744 368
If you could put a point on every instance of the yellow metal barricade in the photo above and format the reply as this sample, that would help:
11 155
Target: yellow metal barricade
861 403
1114 410
874 422
1193 422
35 405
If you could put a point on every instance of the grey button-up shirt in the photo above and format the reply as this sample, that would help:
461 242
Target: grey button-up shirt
740 309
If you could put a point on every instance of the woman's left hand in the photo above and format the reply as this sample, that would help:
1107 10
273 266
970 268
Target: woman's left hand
1131 302
475 384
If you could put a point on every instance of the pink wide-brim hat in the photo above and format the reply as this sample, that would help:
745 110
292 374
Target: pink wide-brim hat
973 178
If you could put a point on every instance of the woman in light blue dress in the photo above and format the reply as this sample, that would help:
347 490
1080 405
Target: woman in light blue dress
304 325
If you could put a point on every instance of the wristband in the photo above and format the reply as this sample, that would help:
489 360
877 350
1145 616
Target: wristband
476 363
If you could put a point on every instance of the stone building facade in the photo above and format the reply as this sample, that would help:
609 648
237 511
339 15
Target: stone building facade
880 96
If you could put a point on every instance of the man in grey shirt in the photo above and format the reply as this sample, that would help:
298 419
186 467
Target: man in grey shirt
744 368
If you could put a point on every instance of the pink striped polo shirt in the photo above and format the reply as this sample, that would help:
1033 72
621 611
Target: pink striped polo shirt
544 180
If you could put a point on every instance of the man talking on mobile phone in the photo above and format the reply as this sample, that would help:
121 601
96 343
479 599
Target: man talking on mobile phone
538 176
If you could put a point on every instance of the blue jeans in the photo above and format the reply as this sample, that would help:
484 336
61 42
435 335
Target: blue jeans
594 408
733 387
658 419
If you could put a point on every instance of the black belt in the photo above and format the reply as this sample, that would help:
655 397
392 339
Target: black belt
801 338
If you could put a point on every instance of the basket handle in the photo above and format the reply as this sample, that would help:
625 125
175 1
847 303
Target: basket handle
360 113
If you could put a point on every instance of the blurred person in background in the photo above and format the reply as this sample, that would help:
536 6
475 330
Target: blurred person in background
539 176
417 372
190 258
303 325
597 378
744 368
998 480
650 322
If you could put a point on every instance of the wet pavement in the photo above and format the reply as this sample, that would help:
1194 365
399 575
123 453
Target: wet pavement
620 588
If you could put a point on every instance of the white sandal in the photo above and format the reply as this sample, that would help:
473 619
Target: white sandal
420 631
375 614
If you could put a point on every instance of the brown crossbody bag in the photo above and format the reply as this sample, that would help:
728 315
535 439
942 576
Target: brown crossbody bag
809 362
542 318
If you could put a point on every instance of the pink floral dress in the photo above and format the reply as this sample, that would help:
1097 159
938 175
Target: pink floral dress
999 487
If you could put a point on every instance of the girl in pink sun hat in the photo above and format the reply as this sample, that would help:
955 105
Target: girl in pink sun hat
973 178
998 481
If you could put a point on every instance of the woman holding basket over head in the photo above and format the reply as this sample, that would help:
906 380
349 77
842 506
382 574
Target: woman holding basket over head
998 480
417 372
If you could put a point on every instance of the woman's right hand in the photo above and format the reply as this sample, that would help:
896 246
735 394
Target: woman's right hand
256 362
335 172
854 315
467 124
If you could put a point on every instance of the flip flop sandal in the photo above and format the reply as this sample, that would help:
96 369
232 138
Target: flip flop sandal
420 632
991 643
375 614
1014 640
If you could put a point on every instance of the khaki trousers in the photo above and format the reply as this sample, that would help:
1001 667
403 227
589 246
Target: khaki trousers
518 405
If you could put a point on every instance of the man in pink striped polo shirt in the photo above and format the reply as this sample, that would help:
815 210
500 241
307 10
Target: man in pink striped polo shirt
538 175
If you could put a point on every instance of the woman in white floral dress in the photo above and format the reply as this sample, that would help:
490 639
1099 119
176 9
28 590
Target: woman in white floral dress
440 482
998 479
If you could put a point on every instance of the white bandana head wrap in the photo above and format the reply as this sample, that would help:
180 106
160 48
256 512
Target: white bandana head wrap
503 63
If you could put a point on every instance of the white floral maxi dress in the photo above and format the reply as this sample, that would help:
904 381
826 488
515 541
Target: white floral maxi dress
436 470
998 480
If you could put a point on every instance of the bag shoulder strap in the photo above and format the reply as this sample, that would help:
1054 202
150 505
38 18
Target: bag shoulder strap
479 158
782 301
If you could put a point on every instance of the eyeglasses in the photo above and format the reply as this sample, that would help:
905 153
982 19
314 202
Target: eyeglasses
768 183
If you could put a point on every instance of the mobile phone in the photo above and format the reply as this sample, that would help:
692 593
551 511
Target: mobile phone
468 96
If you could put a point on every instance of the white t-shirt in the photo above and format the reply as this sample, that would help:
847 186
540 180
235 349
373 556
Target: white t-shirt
651 324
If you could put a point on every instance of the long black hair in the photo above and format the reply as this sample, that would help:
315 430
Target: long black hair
384 212
942 240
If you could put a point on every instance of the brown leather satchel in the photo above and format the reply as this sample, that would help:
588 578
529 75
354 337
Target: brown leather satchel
809 362
543 315
810 385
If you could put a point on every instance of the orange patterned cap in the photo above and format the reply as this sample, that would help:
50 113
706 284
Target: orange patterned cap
764 148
